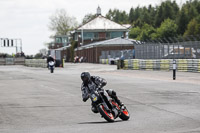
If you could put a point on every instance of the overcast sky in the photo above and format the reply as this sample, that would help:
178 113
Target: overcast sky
29 19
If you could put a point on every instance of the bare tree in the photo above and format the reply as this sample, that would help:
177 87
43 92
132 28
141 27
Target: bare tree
43 51
61 23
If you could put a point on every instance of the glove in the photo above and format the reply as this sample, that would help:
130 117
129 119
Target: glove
84 99
99 87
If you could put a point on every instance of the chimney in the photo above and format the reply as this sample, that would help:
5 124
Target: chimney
98 11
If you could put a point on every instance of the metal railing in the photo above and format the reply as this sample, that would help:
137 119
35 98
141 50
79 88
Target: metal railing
117 54
169 48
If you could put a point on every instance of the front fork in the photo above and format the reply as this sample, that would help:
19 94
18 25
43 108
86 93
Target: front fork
112 109
105 105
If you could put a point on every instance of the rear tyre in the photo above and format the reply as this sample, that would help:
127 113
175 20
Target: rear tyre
106 115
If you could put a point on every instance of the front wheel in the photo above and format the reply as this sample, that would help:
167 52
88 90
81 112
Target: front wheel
124 115
108 116
51 70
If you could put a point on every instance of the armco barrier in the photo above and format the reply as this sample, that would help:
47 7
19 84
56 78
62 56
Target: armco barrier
164 64
12 61
136 65
107 61
36 63
104 61
19 61
156 64
149 65
185 65
198 66
182 65
126 64
190 65
2 61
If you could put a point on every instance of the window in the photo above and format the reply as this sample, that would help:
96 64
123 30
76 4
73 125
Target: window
96 35
88 35
64 40
58 40
107 35
116 34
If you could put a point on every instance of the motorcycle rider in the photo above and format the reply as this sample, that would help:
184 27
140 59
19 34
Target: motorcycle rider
89 82
49 58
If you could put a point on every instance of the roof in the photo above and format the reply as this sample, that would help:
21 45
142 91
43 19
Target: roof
102 23
128 26
63 48
112 42
61 36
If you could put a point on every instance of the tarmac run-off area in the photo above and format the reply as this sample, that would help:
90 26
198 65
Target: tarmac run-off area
32 100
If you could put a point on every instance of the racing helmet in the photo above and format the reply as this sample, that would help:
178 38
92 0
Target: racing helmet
85 76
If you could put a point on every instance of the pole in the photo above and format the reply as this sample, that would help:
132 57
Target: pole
174 69
82 35
16 45
20 44
63 61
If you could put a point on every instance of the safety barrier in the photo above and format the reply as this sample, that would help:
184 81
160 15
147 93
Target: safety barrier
185 65
19 61
104 61
164 64
36 63
2 61
108 61
12 61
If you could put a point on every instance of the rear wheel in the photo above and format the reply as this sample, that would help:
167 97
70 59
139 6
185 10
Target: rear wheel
108 116
124 113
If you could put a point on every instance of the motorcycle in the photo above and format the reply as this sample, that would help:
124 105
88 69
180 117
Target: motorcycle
51 66
109 111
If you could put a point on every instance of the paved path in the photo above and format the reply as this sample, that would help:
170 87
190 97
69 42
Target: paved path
32 100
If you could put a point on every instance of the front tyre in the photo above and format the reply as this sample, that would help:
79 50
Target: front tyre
106 115
51 69
124 115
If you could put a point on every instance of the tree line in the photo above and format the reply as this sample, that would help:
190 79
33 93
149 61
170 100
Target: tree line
163 21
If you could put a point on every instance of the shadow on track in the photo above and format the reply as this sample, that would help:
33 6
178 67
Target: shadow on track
99 122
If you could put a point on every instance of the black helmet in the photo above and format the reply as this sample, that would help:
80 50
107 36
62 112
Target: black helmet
85 76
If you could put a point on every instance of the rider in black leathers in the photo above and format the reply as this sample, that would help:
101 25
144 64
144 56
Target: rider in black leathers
89 82
49 58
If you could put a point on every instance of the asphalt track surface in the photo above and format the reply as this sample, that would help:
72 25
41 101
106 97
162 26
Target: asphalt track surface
32 100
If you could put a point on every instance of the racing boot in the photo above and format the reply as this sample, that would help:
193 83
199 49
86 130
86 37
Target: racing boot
113 95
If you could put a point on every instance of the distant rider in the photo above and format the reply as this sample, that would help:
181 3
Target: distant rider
89 82
49 58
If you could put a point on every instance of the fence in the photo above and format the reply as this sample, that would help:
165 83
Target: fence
117 54
186 65
171 48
